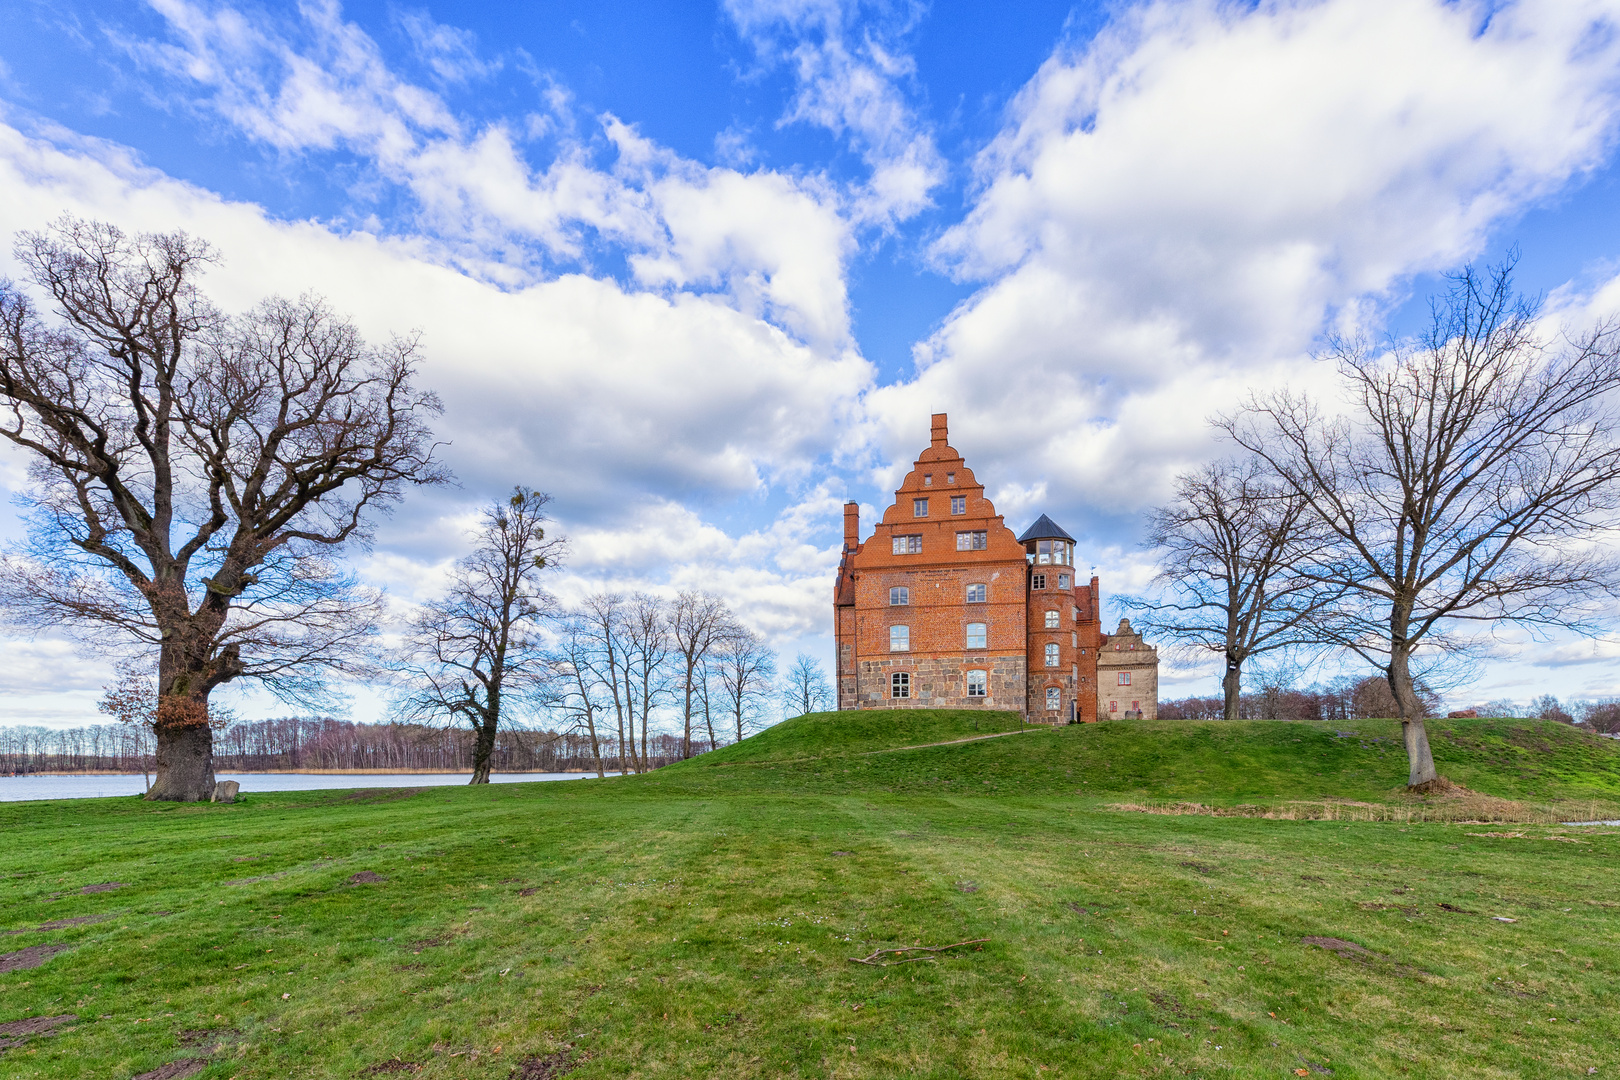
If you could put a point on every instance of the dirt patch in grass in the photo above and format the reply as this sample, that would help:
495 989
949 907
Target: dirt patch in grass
77 920
391 1066
17 1032
106 886
1345 950
544 1067
967 887
530 891
1199 868
175 1070
24 959
367 877
213 1040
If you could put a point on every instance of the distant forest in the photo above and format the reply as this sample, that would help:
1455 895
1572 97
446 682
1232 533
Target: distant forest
318 744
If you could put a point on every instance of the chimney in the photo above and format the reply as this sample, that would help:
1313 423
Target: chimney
939 429
852 525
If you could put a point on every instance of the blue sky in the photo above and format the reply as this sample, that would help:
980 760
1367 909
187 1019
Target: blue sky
702 271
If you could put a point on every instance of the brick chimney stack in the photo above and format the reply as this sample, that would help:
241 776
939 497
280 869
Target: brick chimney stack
852 525
939 429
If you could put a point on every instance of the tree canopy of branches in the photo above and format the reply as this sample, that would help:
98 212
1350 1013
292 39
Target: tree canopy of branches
1465 485
194 475
743 667
697 621
477 650
804 687
1234 550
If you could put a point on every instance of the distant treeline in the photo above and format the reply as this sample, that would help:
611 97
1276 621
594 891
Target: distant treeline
1370 698
318 744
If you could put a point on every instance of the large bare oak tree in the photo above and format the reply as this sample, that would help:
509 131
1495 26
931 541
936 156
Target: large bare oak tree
1473 480
477 650
1235 552
194 475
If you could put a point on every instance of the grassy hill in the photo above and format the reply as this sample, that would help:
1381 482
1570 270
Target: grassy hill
1210 762
700 921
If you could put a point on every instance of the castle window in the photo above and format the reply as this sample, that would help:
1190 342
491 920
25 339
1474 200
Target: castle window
1037 581
1052 655
950 478
1113 706
1052 620
1124 678
919 507
958 504
1054 699
899 596
928 479
908 545
1074 639
1136 706
978 684
972 541
1063 581
976 636
1076 614
899 639
900 684
1044 547
975 594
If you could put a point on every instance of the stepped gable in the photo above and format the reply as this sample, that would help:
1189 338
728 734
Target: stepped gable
1127 676
943 606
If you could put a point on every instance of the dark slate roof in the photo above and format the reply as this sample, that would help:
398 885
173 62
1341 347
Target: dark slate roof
1045 529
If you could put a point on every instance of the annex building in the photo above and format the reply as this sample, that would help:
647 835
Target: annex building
943 606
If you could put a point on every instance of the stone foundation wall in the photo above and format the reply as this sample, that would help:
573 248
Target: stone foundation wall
940 683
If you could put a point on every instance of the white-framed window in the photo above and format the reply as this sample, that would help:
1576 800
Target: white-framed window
1037 581
899 639
908 545
958 504
976 594
1053 619
972 541
919 507
978 683
1074 639
977 637
1124 678
899 596
1076 614
1054 699
1063 581
900 684
1052 655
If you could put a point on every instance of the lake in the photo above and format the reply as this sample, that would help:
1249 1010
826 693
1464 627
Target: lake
20 788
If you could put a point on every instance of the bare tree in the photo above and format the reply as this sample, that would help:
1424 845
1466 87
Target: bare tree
582 684
1234 551
602 621
805 686
475 650
193 475
744 668
1471 483
696 622
648 647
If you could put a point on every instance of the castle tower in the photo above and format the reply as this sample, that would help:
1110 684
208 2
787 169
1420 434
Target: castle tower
1064 634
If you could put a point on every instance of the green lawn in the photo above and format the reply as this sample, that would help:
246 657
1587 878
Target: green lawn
698 922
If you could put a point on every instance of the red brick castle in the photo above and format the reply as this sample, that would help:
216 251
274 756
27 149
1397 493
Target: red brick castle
944 607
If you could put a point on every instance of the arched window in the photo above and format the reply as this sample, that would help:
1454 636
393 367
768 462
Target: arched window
899 639
1054 699
1052 655
978 683
1053 619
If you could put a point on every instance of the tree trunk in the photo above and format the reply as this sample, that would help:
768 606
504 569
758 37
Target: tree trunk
1232 688
185 763
483 750
1420 763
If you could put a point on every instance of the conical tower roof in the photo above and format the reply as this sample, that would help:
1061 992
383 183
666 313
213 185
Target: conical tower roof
1045 529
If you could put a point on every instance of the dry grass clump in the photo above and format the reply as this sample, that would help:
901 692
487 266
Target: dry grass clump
1456 805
